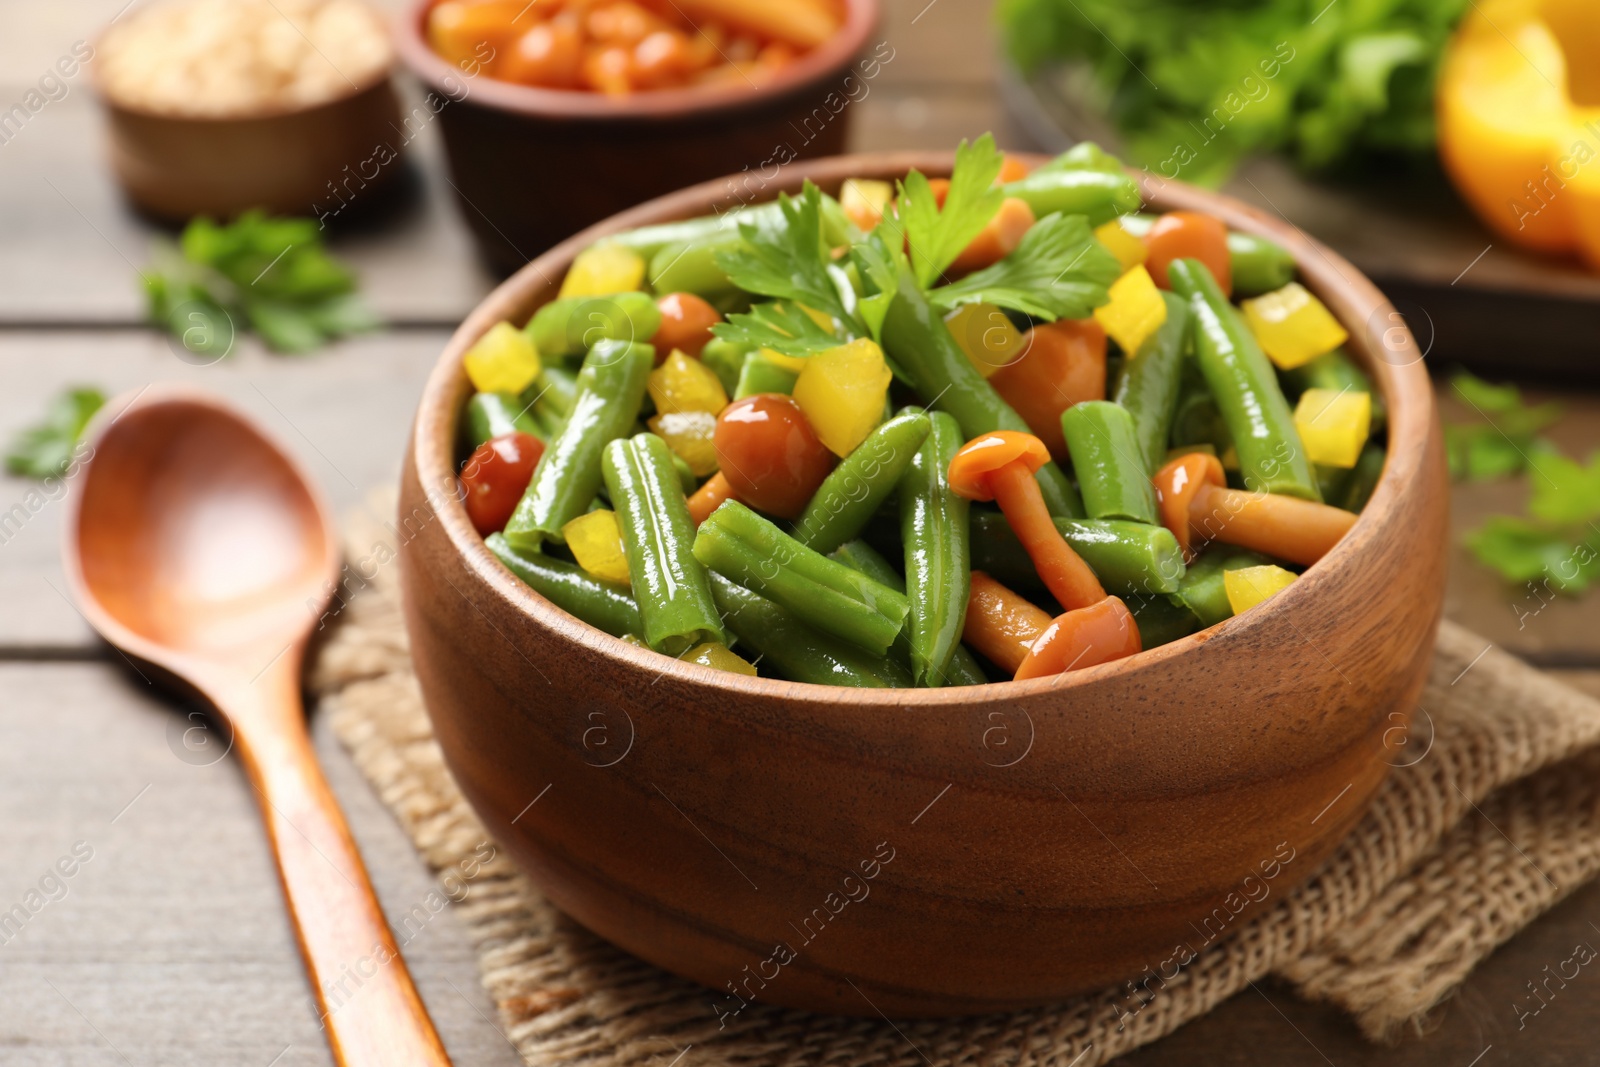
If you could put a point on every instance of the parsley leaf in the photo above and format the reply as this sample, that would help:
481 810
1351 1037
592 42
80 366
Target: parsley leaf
1506 441
784 258
937 235
1566 491
45 450
1058 271
1522 551
783 327
272 274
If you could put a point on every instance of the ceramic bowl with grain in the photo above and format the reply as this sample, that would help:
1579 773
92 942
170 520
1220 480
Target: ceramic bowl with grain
929 852
531 166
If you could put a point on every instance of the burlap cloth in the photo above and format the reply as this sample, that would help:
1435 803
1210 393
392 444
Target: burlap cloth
1491 816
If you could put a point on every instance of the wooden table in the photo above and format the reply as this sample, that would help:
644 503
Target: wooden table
170 945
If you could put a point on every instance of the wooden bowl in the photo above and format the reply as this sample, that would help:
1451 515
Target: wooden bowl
929 852
301 161
531 166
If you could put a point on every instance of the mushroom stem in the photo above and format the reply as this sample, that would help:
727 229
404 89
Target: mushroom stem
1000 624
1063 571
1300 531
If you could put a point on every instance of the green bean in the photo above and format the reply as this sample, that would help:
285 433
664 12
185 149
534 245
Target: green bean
933 527
860 556
795 650
823 593
494 414
551 396
1203 590
1109 462
1336 371
1363 477
570 326
726 358
1198 422
1102 195
837 229
919 343
862 481
610 389
604 605
760 375
1245 387
670 585
1127 557
1259 265
692 268
1148 384
1161 619
688 481
1331 480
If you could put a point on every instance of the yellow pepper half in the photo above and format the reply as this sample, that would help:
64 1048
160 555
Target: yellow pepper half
1519 121
502 360
1129 250
1134 312
595 540
1249 586
842 391
1333 425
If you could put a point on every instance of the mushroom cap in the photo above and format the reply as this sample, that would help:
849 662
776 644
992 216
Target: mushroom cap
1081 638
981 456
1177 484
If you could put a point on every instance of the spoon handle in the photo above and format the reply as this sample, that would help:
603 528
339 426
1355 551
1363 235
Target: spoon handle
366 1001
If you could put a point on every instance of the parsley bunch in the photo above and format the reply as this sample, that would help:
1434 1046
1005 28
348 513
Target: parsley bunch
45 449
1059 270
271 274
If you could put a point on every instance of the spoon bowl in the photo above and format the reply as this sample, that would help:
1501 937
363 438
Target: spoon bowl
194 543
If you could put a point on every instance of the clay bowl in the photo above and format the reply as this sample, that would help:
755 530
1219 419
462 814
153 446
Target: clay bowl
297 161
930 852
532 166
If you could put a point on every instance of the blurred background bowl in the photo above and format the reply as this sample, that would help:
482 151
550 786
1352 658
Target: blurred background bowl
532 166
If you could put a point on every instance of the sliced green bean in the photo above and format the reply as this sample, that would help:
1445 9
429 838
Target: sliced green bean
823 593
726 359
670 585
1100 194
604 605
692 267
571 326
1161 619
760 375
783 643
837 229
610 389
1203 591
1109 462
933 528
862 481
1245 387
491 415
1259 265
1127 557
1148 384
1363 477
858 555
917 340
551 396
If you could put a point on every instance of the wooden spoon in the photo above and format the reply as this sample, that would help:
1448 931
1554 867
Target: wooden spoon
194 544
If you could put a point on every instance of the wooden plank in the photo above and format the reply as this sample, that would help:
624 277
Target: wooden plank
345 412
170 943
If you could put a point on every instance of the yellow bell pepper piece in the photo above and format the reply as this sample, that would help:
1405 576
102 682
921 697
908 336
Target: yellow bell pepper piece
603 269
1129 250
789 363
502 360
719 658
985 334
1333 425
691 435
1293 326
1134 312
595 540
842 392
682 384
1249 586
863 200
1519 129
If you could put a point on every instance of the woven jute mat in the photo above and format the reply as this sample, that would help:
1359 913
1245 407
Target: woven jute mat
1491 816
